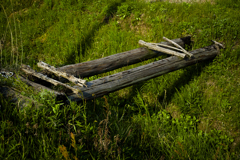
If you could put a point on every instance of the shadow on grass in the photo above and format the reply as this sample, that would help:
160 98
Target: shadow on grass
189 73
88 38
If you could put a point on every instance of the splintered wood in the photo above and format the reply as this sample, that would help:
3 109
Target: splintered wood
175 44
71 78
29 70
155 46
161 49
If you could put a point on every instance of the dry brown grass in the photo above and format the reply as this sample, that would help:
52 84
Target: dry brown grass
174 111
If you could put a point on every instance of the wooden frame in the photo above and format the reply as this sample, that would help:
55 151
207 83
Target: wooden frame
99 87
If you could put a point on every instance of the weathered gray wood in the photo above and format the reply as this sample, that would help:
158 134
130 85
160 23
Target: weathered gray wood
30 71
161 49
115 61
22 101
219 44
39 87
175 44
166 46
71 78
105 85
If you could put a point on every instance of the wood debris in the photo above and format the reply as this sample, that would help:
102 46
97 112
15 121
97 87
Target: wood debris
161 49
29 70
71 78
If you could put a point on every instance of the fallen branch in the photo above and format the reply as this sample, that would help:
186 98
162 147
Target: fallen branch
39 87
161 49
166 46
71 78
175 44
218 44
28 70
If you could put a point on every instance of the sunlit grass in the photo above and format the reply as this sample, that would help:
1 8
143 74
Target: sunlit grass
192 113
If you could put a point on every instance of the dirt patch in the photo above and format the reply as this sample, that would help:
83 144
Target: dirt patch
136 26
174 111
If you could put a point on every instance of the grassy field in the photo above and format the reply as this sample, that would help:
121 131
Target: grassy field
192 113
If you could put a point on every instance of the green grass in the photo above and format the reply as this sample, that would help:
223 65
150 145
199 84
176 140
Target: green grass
192 113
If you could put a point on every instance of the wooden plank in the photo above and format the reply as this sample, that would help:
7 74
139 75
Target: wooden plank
175 44
105 85
161 49
39 87
115 61
21 101
52 69
30 71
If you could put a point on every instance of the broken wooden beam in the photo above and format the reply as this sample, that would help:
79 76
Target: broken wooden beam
39 87
21 101
161 49
71 78
115 61
105 85
30 71
175 44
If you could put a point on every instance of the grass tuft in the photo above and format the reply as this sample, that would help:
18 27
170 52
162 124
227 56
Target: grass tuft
192 113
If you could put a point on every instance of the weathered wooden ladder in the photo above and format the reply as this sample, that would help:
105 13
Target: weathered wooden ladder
88 90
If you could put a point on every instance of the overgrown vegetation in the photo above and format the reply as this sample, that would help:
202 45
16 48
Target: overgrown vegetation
192 113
